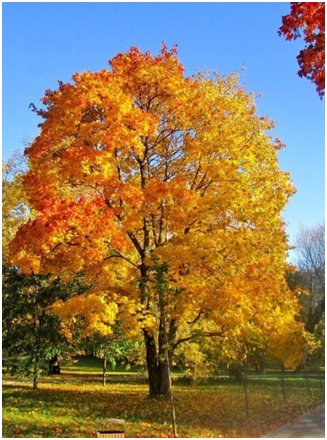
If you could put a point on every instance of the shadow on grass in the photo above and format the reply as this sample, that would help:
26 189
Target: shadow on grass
71 409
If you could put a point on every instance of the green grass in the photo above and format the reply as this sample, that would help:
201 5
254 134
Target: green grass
93 366
85 365
71 405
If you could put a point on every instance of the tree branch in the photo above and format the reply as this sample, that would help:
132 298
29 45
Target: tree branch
120 255
206 335
196 319
136 243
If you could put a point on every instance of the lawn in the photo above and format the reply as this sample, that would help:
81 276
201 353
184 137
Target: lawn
92 366
71 406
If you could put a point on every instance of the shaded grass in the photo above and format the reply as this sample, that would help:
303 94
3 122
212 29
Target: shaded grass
85 365
72 409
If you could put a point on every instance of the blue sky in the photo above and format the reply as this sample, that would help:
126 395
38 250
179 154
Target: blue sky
44 42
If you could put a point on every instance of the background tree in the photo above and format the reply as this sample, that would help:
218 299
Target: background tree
310 18
308 279
139 167
14 202
309 275
29 330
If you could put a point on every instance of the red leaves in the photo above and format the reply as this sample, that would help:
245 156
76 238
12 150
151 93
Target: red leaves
310 17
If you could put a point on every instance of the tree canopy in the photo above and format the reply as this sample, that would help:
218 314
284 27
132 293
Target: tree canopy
140 171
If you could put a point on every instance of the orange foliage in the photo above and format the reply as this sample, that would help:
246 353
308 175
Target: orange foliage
309 17
140 166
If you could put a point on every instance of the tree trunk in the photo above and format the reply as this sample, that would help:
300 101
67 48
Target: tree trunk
149 340
35 374
104 368
152 364
158 373
54 365
263 365
164 339
35 382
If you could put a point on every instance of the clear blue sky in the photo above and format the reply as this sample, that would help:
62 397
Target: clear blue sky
44 42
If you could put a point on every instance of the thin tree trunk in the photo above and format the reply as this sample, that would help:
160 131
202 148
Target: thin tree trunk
246 392
36 350
306 372
35 382
307 380
168 374
104 376
54 365
283 381
245 385
35 374
163 364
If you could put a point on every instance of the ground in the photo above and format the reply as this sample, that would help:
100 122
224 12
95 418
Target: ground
71 404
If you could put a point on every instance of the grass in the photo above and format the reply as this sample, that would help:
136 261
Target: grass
66 408
92 366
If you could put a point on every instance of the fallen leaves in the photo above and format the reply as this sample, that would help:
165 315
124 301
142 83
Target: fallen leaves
71 410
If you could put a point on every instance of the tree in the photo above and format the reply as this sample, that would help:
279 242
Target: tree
28 329
308 279
309 17
138 168
309 275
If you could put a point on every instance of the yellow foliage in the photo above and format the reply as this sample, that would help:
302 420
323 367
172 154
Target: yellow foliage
99 313
14 202
139 166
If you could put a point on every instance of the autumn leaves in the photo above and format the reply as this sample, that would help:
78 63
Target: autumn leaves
140 167
309 18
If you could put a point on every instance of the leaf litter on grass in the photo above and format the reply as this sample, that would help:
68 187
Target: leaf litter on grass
71 410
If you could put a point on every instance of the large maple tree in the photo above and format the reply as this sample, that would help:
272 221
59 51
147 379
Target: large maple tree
165 191
309 18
